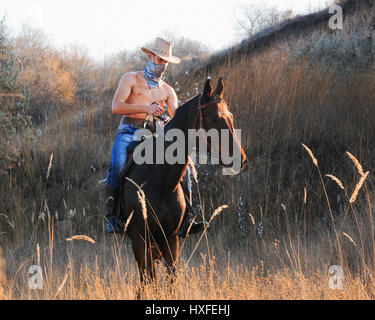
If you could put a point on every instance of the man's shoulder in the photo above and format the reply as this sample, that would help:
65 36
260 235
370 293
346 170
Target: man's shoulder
167 87
130 76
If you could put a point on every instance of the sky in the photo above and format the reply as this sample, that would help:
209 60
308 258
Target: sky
108 26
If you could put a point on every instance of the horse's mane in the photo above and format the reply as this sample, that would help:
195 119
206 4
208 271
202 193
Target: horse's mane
181 113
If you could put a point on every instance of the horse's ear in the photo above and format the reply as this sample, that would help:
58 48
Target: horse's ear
207 91
220 88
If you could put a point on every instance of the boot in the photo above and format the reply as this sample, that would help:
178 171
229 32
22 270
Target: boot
195 227
111 198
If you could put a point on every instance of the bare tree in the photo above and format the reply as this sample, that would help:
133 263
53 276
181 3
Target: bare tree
43 74
254 16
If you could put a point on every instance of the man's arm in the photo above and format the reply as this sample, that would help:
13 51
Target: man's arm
172 101
122 94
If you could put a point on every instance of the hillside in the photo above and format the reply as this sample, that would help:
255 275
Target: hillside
289 30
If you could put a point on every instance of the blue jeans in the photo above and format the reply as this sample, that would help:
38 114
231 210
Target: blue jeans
124 136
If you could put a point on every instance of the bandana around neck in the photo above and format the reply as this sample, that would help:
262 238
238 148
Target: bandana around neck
153 74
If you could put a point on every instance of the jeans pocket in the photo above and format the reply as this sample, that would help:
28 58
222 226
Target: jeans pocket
126 130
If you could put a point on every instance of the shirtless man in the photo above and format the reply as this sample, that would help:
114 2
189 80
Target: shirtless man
139 96
138 92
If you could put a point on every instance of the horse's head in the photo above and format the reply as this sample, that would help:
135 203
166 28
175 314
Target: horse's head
214 114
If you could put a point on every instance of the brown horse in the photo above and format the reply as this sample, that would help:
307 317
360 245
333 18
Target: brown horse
154 233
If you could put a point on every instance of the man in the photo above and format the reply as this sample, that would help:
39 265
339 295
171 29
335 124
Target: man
139 96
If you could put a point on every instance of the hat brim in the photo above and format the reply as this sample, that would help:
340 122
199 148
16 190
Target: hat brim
172 59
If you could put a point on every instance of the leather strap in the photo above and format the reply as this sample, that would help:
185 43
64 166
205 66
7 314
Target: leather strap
138 123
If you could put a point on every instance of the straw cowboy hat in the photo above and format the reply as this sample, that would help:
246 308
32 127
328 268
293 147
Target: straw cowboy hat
163 49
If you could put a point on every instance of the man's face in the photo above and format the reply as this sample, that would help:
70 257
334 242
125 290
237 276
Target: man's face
157 60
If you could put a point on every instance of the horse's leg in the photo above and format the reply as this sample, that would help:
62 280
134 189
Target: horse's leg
170 253
146 263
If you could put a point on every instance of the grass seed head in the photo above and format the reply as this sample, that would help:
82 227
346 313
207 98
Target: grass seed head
310 154
337 180
358 187
80 237
142 200
356 163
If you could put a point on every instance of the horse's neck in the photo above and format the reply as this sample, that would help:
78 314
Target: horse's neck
185 117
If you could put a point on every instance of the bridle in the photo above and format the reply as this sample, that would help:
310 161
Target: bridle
200 113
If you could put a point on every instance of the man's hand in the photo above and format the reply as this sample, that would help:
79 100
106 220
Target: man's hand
155 109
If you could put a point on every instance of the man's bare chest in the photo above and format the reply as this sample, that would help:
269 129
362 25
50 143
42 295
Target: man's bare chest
143 93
